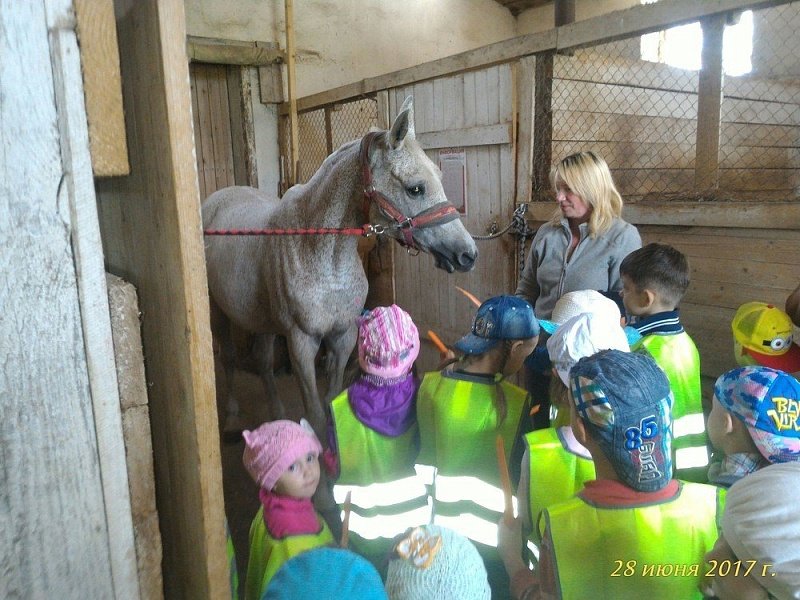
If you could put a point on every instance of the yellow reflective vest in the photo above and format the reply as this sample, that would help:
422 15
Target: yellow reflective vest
677 355
654 551
458 425
267 554
387 497
556 473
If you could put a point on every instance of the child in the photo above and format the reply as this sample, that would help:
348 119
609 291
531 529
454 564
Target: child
282 457
762 335
634 516
462 411
326 574
762 535
654 279
754 421
555 465
436 562
374 438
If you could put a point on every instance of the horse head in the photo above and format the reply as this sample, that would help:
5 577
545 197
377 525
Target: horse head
408 198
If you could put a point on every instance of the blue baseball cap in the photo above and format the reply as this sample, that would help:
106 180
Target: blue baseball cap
625 403
499 318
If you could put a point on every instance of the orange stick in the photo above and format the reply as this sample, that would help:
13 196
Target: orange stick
472 298
505 480
346 522
437 342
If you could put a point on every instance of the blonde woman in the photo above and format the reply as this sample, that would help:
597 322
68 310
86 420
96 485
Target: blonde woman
580 248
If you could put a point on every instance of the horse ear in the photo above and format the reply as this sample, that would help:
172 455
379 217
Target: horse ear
403 126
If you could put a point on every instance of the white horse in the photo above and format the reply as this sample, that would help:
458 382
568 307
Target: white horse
311 288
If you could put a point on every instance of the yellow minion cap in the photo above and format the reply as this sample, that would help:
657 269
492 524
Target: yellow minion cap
763 328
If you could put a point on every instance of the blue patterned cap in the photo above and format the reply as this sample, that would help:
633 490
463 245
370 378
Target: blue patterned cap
625 403
767 401
499 318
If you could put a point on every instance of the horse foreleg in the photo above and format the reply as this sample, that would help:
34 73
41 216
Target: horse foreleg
303 351
264 351
339 347
221 327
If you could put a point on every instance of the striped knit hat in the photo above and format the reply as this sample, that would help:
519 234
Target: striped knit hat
388 342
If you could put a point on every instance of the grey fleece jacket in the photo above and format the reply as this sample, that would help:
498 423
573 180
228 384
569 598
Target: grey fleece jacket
594 264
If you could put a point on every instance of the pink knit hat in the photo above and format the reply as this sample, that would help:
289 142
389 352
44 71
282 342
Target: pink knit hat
388 342
272 448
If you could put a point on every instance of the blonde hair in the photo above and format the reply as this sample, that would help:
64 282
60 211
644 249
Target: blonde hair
588 176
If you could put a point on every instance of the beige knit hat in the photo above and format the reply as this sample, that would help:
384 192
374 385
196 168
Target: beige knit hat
436 562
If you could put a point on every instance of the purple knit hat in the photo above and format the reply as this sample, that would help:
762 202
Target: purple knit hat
388 342
272 448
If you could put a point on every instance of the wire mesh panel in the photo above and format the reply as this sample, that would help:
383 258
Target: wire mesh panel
760 112
351 120
311 143
638 115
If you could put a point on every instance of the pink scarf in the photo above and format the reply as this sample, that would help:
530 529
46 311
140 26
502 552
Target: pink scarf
284 515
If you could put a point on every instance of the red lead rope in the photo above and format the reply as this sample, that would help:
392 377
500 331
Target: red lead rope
365 230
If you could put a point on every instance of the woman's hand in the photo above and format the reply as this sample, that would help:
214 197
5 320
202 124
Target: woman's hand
509 544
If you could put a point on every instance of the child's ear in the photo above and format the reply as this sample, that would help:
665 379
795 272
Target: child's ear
648 297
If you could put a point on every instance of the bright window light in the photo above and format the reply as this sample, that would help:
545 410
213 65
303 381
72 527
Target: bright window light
682 46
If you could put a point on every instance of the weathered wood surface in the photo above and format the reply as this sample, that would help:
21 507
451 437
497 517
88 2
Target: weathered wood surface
65 514
151 227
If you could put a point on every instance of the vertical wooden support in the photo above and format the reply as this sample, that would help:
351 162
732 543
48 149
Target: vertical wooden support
709 102
328 130
152 236
526 72
542 125
240 102
294 148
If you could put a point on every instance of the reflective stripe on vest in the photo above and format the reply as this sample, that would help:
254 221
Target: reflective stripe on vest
267 554
459 426
556 473
677 356
593 546
387 526
380 495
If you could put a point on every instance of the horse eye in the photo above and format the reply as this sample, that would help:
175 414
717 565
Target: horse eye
415 190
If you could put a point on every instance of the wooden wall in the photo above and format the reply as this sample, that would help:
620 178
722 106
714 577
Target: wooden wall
472 111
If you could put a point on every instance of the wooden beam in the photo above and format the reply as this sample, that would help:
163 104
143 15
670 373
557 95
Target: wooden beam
97 34
481 135
709 103
242 134
233 52
542 125
294 136
152 237
753 215
626 23
526 73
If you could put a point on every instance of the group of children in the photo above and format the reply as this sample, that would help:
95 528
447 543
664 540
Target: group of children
617 498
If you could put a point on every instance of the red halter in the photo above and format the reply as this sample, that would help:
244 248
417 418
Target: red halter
438 214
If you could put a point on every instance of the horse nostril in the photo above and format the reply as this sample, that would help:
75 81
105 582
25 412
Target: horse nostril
467 259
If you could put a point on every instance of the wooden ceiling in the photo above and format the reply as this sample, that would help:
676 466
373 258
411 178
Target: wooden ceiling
517 6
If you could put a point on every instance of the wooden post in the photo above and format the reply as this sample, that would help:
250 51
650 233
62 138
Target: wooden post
328 130
542 125
240 101
709 101
294 151
525 109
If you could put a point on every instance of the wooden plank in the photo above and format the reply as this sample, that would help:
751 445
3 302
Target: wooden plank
526 71
777 215
633 155
233 52
294 144
155 242
270 79
543 102
56 513
735 110
99 53
709 102
198 132
206 166
757 179
605 127
482 135
759 135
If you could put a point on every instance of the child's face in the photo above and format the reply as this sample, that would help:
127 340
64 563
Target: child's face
300 480
634 299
